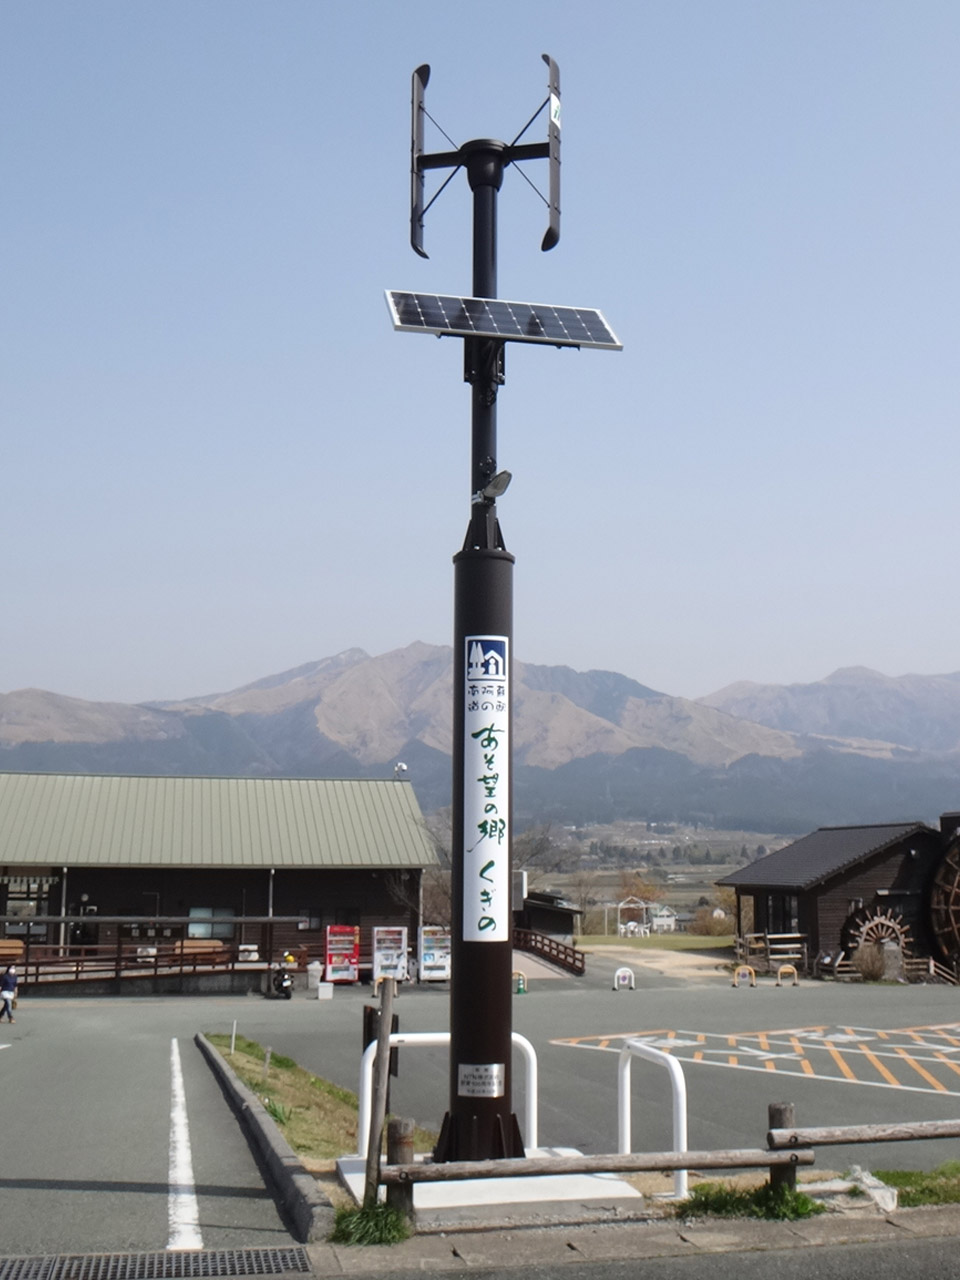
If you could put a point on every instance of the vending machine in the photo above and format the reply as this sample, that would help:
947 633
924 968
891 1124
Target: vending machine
435 954
390 953
342 958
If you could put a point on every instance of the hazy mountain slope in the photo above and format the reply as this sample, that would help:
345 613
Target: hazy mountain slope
34 715
588 745
274 693
919 712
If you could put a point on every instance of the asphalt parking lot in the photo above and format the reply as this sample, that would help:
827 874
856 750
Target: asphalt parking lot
87 1086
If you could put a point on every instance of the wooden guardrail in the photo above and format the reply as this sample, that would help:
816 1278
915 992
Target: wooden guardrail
837 1135
651 1162
551 950
788 1148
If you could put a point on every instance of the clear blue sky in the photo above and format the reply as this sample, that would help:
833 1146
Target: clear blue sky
219 461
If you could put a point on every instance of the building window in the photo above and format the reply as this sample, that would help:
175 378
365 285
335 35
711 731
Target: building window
205 927
28 896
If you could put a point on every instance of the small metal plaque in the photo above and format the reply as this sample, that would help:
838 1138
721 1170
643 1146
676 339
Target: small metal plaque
481 1080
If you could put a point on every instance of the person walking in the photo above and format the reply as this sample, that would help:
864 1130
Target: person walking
8 992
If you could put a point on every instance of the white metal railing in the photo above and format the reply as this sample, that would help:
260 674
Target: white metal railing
402 1039
640 1049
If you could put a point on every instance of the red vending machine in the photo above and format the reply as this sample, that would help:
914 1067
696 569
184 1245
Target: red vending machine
342 959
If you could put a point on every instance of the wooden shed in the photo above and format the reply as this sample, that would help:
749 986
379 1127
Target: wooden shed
832 887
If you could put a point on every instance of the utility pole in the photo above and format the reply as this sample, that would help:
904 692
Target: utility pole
480 1123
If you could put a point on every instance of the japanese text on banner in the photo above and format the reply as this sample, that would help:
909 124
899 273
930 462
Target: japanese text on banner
486 808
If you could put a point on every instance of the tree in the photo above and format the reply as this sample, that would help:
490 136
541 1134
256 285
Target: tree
537 849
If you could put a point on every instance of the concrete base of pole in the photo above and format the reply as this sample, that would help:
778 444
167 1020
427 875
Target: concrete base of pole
478 1137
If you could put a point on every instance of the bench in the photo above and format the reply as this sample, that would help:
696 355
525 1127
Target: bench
11 950
200 951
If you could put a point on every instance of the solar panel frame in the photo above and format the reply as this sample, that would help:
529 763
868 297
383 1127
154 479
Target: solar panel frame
454 315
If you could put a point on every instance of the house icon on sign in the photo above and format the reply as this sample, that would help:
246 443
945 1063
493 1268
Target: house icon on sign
486 664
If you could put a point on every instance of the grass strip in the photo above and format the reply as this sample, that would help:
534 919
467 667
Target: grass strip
721 1201
318 1118
376 1224
938 1186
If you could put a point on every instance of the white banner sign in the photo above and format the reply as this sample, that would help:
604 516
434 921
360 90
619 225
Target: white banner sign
486 791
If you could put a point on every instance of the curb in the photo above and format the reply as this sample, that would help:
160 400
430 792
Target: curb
309 1209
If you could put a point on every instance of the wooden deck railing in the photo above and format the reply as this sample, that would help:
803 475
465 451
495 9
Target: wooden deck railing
551 950
767 951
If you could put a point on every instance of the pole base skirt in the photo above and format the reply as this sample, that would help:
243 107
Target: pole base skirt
475 1137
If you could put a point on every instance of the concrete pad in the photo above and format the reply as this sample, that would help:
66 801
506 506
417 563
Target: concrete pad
928 1220
505 1193
843 1228
419 1253
741 1234
512 1248
628 1240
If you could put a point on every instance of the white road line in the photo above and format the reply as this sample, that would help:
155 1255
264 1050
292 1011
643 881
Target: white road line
183 1211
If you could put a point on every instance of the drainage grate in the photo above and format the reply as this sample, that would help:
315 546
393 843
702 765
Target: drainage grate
173 1265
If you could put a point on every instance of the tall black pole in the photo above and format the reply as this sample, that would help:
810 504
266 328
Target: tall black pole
480 1124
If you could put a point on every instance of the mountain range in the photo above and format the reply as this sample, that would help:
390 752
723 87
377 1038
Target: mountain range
588 746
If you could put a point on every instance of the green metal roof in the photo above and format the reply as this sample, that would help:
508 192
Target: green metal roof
49 819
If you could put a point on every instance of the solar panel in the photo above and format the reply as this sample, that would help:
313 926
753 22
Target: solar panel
444 314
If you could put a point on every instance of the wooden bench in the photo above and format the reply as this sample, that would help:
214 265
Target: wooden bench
200 951
11 950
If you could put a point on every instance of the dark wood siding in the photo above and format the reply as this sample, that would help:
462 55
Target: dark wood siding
893 879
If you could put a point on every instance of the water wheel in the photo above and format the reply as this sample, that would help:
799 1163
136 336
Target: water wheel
945 903
875 924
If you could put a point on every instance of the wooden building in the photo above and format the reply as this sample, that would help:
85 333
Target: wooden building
548 914
842 885
313 852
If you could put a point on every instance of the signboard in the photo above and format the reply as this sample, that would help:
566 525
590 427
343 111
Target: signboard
390 953
435 954
486 787
481 1080
342 953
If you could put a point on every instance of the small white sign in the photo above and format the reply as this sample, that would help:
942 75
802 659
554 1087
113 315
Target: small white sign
555 109
481 1080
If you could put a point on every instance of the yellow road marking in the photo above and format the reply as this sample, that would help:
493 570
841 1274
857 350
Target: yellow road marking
878 1065
732 1061
943 1058
932 1080
839 1060
805 1063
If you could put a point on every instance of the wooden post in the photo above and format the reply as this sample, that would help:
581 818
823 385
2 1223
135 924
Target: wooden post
400 1151
781 1115
378 1109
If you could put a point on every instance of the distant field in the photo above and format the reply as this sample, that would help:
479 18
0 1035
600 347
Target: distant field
679 886
662 942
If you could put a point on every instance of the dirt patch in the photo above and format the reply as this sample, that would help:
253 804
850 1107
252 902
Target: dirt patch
689 966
